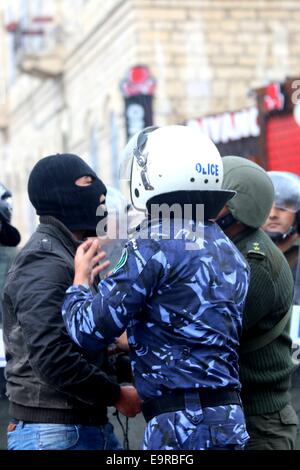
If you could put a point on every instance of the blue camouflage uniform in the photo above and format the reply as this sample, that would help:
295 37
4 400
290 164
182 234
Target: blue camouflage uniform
181 303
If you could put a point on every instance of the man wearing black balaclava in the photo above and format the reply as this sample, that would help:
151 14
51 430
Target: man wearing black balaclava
58 393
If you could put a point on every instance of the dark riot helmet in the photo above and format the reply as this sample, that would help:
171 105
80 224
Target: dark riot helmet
9 235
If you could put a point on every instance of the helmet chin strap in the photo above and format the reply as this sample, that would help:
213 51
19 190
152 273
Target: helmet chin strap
226 221
277 237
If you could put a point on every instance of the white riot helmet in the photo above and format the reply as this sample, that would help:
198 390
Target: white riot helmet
174 164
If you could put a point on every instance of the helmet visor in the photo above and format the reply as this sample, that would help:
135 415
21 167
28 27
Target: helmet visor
287 190
126 159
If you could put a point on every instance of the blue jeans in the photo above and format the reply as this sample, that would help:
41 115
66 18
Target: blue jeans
44 436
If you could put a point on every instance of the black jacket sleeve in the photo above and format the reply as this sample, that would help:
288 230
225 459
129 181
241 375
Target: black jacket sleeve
55 359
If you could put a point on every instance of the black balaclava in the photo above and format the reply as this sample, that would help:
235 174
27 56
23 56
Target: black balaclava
52 191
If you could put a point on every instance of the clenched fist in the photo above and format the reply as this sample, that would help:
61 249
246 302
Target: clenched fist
129 403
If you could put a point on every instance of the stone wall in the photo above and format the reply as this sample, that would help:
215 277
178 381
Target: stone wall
206 55
209 54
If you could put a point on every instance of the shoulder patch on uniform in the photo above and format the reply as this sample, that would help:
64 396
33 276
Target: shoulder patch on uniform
122 260
256 250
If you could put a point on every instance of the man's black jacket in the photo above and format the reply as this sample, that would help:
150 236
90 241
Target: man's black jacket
49 379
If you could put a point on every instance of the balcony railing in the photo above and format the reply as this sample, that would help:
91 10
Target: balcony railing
38 46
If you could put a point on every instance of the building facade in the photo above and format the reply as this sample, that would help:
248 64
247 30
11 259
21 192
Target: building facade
62 62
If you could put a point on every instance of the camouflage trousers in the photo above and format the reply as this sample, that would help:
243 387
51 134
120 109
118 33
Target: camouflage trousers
197 428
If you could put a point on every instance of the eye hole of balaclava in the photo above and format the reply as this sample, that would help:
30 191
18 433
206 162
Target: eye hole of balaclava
84 181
